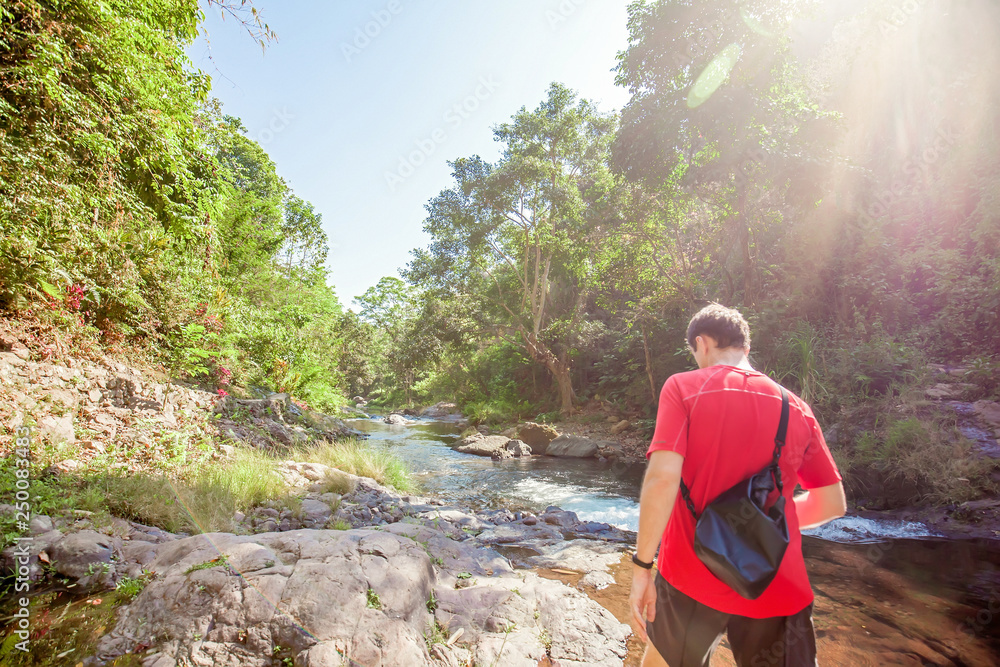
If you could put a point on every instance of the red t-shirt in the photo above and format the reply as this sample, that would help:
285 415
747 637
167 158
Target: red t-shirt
723 420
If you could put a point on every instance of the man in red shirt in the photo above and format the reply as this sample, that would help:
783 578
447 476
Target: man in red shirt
717 425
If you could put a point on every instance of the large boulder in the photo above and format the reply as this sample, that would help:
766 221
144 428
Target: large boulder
366 597
536 436
481 445
578 446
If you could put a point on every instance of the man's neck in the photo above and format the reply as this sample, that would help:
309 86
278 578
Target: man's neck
730 357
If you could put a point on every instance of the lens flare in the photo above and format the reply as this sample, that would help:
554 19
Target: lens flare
713 76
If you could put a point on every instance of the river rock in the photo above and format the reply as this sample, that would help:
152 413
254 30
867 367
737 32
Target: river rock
502 454
537 436
315 513
84 555
363 597
481 445
563 519
518 448
520 534
396 419
576 446
14 556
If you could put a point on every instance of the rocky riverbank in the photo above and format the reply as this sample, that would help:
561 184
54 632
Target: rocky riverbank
413 582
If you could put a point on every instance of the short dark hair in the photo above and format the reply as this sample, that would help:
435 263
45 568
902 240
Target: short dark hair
725 325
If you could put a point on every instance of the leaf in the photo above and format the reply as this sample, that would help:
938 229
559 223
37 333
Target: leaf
50 290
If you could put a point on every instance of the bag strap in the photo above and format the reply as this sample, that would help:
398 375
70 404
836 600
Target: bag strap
779 440
779 443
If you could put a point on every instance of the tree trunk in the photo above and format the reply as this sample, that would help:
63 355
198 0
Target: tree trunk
560 369
649 364
561 372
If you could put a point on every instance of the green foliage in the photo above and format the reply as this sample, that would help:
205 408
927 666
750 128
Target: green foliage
340 524
984 372
222 560
140 214
374 601
915 460
189 356
435 634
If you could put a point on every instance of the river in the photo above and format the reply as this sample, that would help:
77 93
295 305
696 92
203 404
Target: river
888 592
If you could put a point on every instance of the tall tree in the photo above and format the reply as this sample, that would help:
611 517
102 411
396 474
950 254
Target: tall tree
520 236
716 108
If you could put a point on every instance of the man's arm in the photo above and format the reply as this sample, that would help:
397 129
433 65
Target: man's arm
818 506
659 492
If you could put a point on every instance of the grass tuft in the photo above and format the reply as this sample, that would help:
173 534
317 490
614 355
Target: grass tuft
364 460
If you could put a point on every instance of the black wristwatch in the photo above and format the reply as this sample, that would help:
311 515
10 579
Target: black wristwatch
644 565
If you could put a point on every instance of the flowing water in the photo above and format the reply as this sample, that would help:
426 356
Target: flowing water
595 491
888 592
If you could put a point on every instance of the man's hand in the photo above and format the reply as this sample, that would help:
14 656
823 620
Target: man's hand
642 601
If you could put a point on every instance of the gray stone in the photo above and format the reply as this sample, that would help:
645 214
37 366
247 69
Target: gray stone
315 512
13 556
83 554
62 397
40 524
514 533
989 413
57 429
948 391
518 448
576 446
482 445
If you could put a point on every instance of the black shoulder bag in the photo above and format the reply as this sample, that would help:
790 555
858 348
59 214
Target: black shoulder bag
734 537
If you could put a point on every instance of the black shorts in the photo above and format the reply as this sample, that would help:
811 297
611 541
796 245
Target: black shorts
686 633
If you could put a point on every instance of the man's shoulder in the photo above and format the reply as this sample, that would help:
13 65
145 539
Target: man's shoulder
700 380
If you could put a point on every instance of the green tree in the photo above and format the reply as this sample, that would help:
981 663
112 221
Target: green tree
519 236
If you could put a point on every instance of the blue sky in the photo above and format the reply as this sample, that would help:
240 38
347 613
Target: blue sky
362 125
